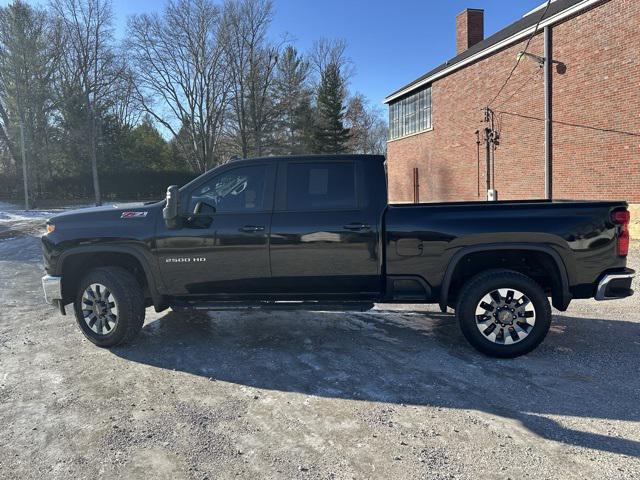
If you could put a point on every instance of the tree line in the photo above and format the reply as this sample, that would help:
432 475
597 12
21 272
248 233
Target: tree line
188 88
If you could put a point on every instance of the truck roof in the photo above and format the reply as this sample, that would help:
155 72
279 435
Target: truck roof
316 157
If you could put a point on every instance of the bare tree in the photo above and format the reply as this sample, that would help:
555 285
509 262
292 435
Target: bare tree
367 128
252 64
125 104
327 52
89 62
182 79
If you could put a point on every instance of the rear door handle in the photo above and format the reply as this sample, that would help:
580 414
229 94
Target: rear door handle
252 228
357 226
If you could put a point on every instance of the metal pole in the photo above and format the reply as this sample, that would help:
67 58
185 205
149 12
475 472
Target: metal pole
548 115
24 169
493 161
487 138
478 155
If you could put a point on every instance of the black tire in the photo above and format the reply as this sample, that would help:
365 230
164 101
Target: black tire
481 285
130 305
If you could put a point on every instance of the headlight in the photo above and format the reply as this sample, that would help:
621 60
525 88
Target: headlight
51 228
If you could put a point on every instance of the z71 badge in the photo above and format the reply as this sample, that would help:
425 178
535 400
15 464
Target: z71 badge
133 214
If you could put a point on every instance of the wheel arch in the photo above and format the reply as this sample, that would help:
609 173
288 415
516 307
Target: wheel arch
74 263
561 296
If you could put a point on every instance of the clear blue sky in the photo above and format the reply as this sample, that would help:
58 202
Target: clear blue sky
391 42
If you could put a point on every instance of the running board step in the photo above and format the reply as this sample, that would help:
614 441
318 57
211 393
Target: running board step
284 305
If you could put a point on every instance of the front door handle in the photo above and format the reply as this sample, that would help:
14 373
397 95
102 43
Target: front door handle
357 226
252 228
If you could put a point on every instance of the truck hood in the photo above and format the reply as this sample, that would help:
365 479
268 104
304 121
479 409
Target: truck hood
87 211
124 221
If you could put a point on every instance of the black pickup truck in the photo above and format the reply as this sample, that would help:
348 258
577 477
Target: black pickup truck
317 233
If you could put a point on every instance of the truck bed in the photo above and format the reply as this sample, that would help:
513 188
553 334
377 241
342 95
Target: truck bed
423 239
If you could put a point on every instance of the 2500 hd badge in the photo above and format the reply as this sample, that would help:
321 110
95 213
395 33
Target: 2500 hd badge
185 259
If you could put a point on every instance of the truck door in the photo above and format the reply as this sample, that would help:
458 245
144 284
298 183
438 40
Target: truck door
324 230
230 256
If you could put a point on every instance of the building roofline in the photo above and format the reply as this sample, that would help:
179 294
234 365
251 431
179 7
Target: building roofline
558 11
539 7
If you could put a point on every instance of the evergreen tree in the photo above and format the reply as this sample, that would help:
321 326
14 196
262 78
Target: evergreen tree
146 149
293 97
27 63
137 148
330 134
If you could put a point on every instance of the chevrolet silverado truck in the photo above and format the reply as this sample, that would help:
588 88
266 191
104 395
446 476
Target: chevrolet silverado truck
317 233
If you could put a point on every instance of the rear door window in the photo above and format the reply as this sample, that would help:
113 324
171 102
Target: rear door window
321 186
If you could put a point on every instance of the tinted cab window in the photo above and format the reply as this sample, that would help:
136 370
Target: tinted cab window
237 190
321 186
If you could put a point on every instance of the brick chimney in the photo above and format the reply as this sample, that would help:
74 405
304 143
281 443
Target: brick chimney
469 29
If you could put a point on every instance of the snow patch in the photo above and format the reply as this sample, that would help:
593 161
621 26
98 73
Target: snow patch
11 213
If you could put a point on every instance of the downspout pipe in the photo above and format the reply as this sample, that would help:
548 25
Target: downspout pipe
548 114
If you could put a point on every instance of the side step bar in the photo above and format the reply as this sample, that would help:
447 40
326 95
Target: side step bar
322 306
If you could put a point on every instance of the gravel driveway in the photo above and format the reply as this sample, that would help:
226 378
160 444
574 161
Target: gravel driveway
386 394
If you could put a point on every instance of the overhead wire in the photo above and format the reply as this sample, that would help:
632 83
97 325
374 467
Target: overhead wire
526 47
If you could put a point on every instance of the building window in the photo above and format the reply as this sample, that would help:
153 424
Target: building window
410 115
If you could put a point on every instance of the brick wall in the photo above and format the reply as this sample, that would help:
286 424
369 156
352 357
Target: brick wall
596 107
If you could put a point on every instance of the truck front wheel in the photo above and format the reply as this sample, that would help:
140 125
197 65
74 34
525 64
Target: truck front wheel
109 306
503 313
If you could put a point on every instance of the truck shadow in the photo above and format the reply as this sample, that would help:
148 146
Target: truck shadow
585 368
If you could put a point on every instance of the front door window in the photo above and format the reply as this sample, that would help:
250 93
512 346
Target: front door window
235 191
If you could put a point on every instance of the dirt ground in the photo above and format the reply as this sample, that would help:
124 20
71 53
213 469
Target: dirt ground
384 394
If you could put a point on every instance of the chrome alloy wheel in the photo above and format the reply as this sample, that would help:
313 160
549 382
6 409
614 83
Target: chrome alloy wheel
505 316
99 309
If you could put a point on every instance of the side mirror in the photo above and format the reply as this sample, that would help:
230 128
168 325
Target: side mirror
171 209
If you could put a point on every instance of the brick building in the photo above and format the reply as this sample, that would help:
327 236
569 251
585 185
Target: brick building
595 99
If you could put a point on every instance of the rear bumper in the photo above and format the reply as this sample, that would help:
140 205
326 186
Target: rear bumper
52 287
615 285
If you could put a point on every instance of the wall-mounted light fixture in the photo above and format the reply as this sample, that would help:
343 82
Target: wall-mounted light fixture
536 58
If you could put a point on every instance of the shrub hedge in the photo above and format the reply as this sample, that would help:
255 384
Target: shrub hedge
126 185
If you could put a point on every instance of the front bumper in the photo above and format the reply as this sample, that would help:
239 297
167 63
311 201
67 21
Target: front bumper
52 287
615 285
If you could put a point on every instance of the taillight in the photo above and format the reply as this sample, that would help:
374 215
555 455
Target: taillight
622 218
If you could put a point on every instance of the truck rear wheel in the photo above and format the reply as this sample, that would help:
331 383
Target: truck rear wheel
503 313
109 306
